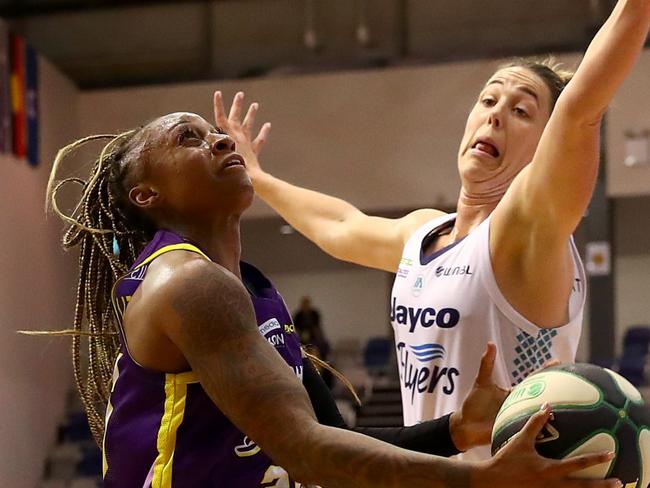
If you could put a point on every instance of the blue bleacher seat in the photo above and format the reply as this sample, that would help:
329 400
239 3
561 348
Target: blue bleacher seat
636 345
76 428
376 355
91 463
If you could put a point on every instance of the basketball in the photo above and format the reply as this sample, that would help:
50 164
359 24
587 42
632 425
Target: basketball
594 409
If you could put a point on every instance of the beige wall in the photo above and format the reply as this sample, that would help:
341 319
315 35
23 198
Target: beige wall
632 293
632 278
630 111
381 139
353 303
36 292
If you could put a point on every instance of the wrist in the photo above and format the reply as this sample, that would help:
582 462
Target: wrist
259 177
458 432
482 474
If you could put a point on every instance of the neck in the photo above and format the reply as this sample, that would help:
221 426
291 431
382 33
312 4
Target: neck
218 237
473 208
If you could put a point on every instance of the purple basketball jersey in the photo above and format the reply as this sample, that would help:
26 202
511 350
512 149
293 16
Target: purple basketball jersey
162 430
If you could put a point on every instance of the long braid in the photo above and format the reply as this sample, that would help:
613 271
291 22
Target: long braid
101 216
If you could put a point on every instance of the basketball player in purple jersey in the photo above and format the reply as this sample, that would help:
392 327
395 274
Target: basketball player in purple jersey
199 375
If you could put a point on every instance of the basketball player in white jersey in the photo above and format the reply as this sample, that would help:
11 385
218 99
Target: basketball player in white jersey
503 267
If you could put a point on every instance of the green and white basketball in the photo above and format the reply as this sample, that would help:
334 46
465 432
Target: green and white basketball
594 410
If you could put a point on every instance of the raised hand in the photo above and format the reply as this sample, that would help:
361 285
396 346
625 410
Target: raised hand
472 425
518 464
242 130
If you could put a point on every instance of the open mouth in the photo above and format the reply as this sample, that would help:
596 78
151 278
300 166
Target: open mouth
486 147
234 160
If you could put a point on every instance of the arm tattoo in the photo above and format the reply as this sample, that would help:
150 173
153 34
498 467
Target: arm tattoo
250 382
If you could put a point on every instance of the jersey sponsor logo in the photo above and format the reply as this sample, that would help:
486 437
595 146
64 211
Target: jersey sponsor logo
402 272
443 271
416 290
276 340
269 325
445 318
272 331
420 379
428 352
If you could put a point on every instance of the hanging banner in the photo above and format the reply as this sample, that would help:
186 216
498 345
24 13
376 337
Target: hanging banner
31 105
18 95
6 138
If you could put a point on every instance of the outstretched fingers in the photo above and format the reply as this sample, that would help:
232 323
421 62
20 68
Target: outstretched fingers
262 137
249 120
231 123
220 118
236 107
565 468
534 426
570 465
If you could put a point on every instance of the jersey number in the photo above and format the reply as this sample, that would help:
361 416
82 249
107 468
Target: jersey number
276 477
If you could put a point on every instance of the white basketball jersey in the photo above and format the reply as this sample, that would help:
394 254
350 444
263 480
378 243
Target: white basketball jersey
446 306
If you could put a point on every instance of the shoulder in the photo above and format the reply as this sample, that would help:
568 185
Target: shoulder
196 303
181 281
411 222
174 268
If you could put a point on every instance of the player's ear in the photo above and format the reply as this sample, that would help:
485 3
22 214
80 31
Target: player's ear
144 196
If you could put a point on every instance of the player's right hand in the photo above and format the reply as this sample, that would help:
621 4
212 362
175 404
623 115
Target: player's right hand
518 465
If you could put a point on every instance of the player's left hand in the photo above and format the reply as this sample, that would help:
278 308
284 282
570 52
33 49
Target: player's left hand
472 424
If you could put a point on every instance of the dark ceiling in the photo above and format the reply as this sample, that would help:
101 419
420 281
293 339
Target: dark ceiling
102 43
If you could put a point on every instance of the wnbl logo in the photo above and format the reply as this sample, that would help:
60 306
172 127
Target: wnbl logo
425 379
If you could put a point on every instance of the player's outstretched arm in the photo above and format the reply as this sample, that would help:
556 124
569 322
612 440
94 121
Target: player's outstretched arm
530 227
208 314
553 192
334 225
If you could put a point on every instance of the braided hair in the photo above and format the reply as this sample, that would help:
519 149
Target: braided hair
110 234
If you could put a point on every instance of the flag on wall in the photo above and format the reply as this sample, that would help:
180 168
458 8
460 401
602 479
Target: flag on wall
19 121
6 144
17 58
31 104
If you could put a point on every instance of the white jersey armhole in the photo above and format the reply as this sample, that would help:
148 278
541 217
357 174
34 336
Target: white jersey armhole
413 247
576 307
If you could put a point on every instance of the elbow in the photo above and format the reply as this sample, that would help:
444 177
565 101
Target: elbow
332 241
